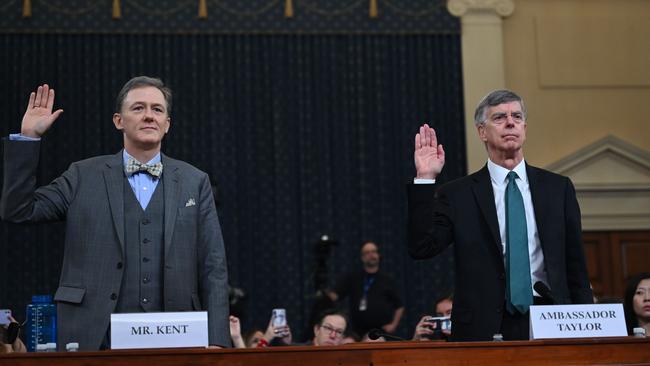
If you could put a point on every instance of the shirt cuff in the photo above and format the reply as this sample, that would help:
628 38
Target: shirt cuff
423 181
19 137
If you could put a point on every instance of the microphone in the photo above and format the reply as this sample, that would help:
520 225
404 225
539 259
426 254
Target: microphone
544 292
375 334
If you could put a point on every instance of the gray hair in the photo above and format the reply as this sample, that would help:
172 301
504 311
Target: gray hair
140 82
494 98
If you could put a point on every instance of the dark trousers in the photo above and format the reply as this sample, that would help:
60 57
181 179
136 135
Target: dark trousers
516 327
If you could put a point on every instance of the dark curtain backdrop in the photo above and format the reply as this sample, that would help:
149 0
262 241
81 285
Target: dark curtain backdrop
302 135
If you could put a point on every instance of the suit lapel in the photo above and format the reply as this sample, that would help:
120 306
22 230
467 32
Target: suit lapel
114 179
172 187
485 197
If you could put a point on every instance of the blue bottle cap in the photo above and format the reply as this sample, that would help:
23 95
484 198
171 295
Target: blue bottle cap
42 299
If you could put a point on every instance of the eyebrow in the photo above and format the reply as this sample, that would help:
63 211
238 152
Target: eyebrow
155 104
331 326
506 113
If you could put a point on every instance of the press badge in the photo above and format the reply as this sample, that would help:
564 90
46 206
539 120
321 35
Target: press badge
363 304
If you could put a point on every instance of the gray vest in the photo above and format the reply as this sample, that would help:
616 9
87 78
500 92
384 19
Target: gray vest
142 284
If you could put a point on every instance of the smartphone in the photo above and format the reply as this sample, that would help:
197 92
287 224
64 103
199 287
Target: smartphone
279 317
5 316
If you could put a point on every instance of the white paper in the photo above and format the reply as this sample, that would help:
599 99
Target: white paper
577 321
159 330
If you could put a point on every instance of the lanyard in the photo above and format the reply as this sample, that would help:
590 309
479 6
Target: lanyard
367 283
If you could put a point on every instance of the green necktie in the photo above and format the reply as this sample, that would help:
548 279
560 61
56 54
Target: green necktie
518 291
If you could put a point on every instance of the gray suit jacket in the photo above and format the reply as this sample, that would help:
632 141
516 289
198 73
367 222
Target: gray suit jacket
89 196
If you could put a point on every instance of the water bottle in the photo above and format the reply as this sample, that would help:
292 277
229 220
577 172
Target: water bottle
41 322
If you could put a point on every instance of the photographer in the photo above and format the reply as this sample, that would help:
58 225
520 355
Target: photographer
430 328
9 340
276 335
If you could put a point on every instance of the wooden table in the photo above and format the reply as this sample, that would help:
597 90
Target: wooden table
597 351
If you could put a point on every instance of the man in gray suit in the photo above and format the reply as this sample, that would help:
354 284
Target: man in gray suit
139 238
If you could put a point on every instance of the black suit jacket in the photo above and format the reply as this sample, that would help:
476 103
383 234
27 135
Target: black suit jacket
463 212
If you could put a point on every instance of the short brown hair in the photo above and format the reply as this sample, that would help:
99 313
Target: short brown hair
140 82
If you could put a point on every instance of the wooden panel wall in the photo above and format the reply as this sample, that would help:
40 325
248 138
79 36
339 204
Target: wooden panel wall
614 257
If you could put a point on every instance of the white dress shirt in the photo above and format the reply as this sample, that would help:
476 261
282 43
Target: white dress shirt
499 178
143 184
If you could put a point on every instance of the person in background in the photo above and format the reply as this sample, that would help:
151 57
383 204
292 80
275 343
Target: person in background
9 338
330 329
444 305
275 336
252 337
373 299
427 329
637 303
235 333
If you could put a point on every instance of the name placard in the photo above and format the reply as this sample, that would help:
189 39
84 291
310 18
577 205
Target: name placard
577 321
159 330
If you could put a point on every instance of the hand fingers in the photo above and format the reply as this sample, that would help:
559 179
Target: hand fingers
441 152
56 114
39 94
50 100
418 145
425 135
32 97
45 95
422 135
433 138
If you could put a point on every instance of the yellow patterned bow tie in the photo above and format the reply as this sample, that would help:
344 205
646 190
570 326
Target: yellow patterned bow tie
133 166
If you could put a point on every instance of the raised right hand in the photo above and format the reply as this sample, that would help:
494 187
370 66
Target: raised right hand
39 117
429 156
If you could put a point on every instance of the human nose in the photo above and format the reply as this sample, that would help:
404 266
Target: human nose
148 113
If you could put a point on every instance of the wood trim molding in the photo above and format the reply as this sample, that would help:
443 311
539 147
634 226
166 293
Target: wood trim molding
612 181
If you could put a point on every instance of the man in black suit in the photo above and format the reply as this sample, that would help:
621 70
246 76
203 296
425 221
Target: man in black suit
473 213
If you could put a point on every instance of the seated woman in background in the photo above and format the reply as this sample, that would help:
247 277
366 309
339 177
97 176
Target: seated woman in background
427 329
637 303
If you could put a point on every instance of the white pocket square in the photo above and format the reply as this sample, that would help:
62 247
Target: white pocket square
190 202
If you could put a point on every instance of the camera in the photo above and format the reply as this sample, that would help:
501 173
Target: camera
440 324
